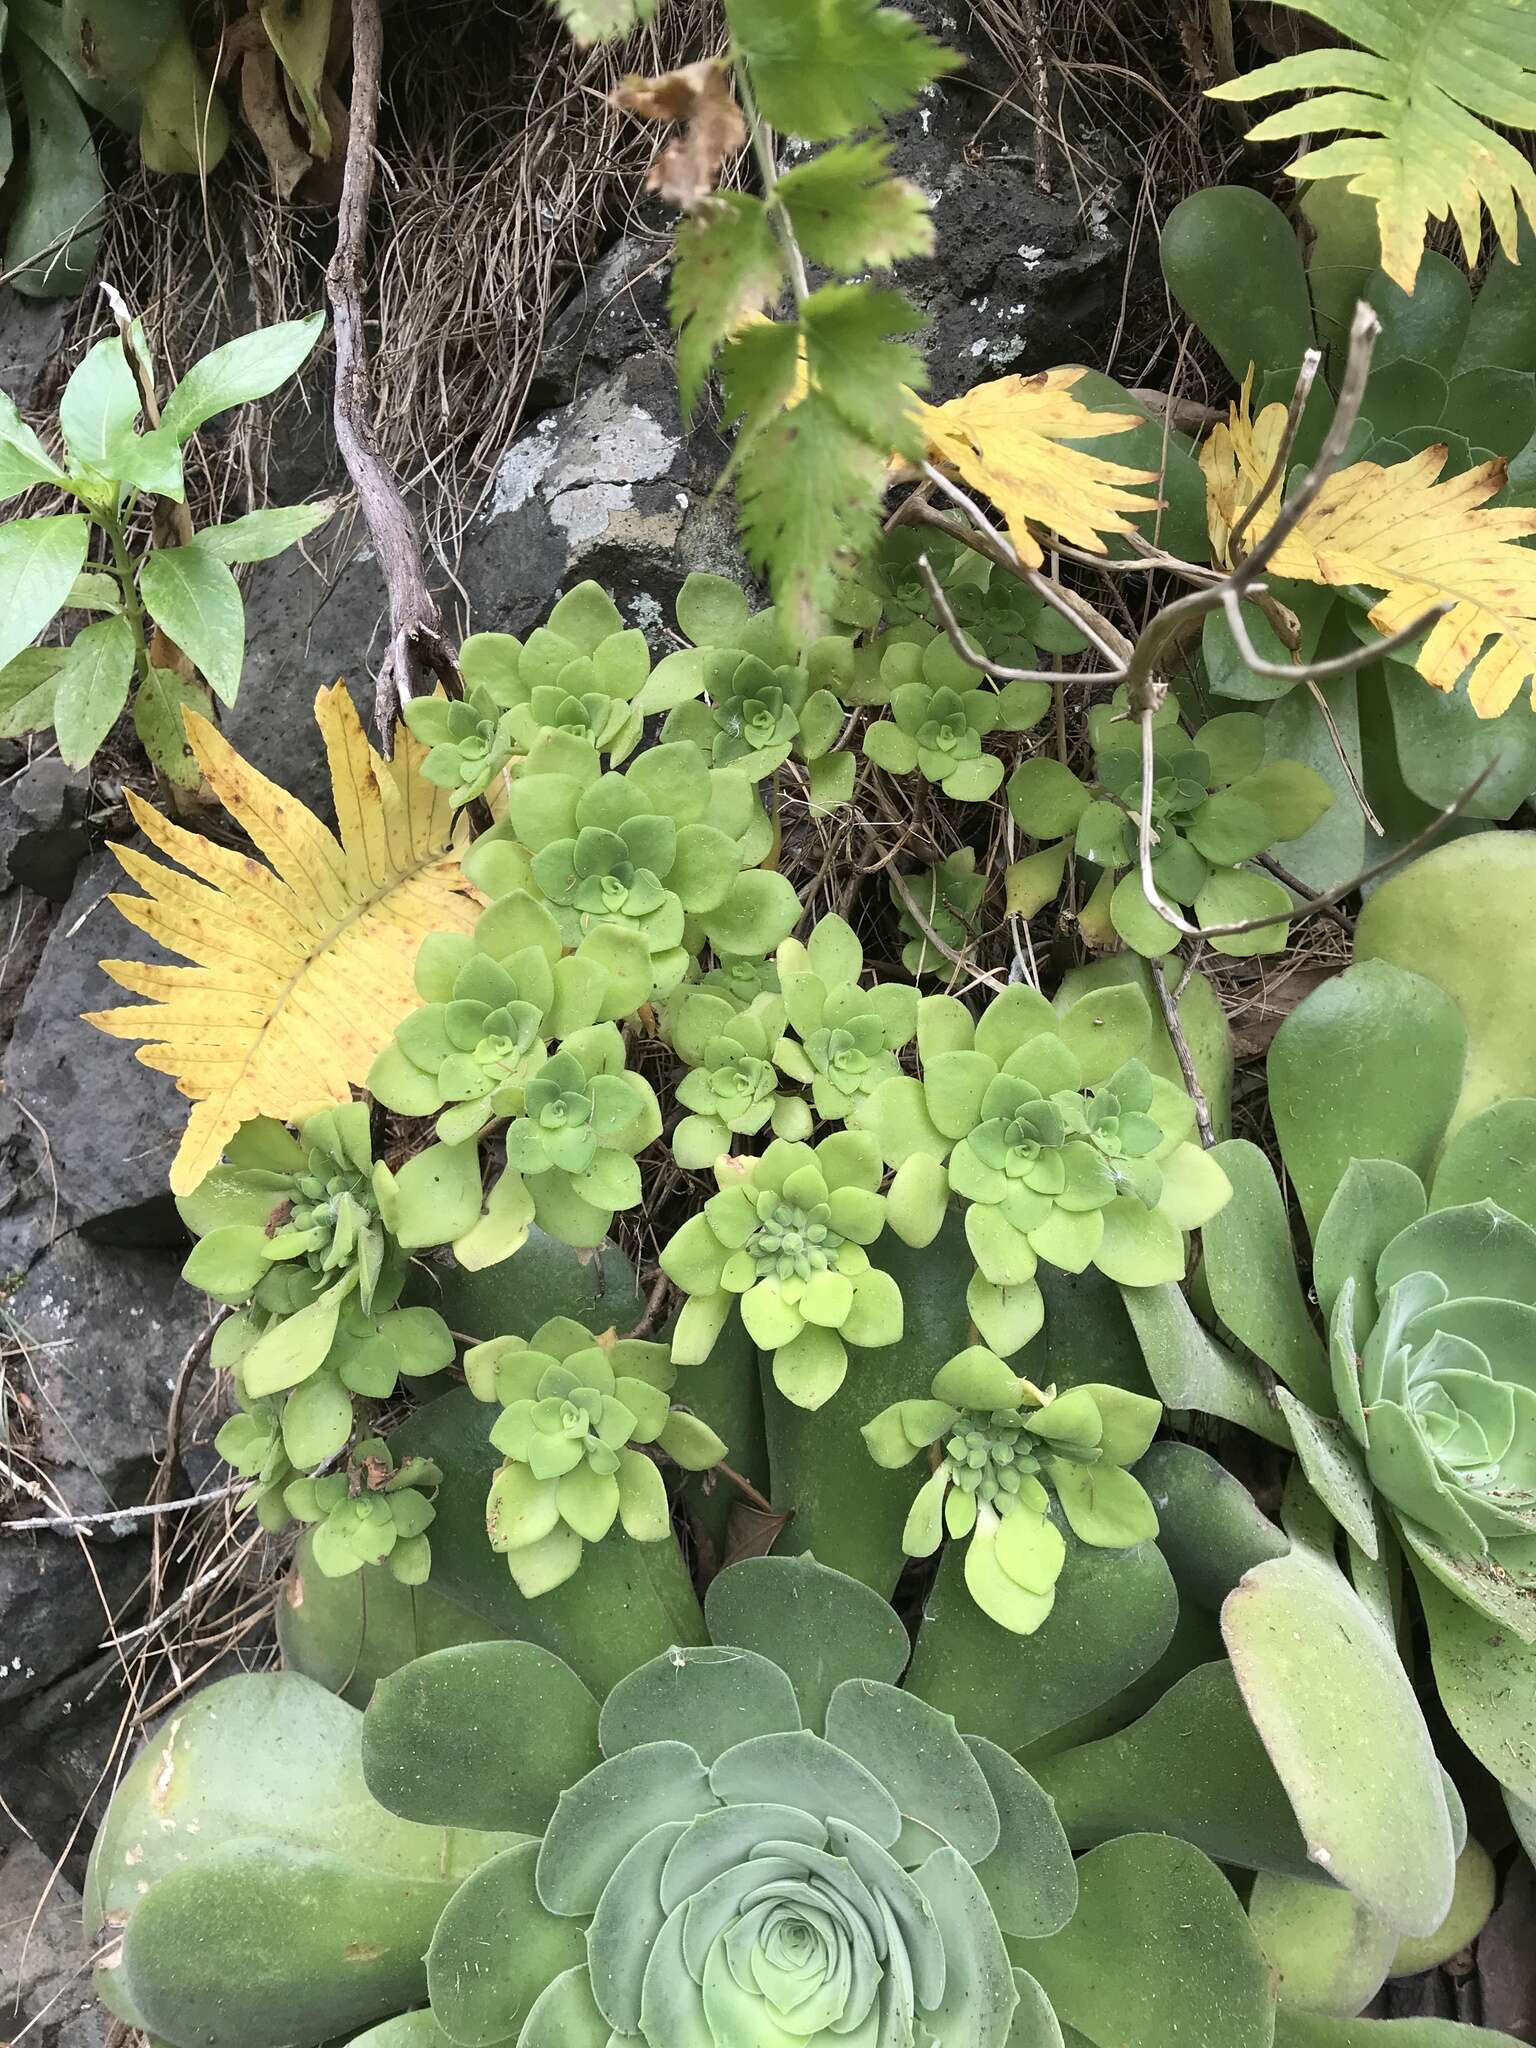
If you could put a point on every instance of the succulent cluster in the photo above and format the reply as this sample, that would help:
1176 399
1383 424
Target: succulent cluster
1001 1448
1058 1140
292 1232
1217 805
942 708
947 899
786 1238
578 674
573 1409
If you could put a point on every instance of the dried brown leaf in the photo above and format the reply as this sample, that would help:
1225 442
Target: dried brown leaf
688 168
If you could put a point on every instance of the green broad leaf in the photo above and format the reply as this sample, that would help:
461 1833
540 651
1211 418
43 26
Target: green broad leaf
1480 1584
1329 1952
24 461
261 535
1336 1078
158 704
760 908
1104 1029
410 2030
1113 1618
1373 1202
1159 1950
92 687
830 70
1337 1713
496 1948
195 601
917 1754
1029 1878
1295 2029
818 1626
858 363
27 685
94 591
850 214
294 1348
317 1421
1335 1470
831 778
1486 1679
1464 916
1145 930
1193 1766
712 1699
809 488
600 21
1210 1528
39 561
1236 895
55 231
1477 1887
1190 1371
99 408
250 367
727 266
432 1753
1492 1158
1250 1269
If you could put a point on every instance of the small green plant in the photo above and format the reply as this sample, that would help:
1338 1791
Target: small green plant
1217 806
947 898
578 1413
1002 1449
786 1238
941 709
188 591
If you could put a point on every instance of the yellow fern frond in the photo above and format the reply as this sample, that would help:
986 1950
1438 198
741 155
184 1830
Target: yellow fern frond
1410 107
301 968
1008 440
1400 529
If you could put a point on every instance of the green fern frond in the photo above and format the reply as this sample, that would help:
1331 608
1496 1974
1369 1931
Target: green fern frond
1410 108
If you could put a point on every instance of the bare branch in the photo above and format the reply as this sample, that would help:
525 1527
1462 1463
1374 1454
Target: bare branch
972 656
1306 377
418 650
1338 664
1168 1003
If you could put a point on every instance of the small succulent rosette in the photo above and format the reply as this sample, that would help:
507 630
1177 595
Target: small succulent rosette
942 707
490 1000
731 1087
1001 1449
577 674
670 849
1217 805
1433 1358
747 697
786 1238
946 898
574 1407
846 1037
1058 1139
373 1513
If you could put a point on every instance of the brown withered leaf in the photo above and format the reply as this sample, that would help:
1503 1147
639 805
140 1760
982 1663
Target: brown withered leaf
688 168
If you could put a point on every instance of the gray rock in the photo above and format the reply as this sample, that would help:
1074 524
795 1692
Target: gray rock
101 1333
56 1750
43 836
45 1981
111 1125
57 1603
31 344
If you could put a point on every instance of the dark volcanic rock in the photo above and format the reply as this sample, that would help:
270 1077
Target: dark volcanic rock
43 837
45 1986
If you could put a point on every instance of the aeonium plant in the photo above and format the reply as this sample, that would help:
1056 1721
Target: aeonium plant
1001 1449
847 1037
1059 1141
786 1238
1217 805
941 709
578 1415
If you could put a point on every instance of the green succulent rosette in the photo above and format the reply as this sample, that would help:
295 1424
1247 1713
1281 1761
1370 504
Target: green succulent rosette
489 1001
1217 805
572 1152
1000 615
772 1843
949 896
669 849
573 1409
469 741
847 1036
1000 1450
1433 1357
1059 1141
786 1237
746 696
731 1087
941 710
578 674
373 1513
